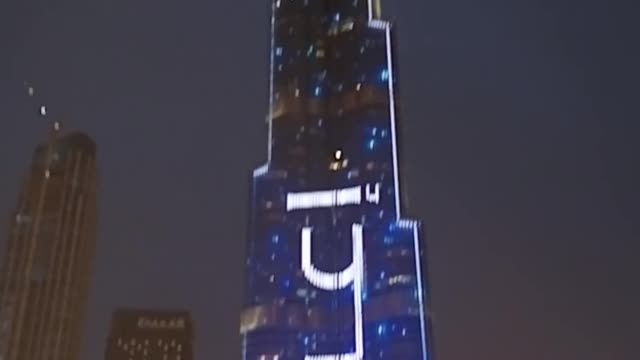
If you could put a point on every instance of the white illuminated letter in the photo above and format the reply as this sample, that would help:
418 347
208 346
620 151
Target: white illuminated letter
354 273
324 198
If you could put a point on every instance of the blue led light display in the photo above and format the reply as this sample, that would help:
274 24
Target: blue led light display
334 271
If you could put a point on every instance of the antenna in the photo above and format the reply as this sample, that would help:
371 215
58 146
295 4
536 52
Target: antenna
43 113
41 107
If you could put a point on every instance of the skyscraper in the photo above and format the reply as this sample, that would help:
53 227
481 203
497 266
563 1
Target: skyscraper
150 335
46 270
334 268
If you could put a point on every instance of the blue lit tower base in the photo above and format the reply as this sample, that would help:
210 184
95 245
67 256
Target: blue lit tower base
334 272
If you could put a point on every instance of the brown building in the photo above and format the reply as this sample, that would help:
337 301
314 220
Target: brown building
150 335
45 275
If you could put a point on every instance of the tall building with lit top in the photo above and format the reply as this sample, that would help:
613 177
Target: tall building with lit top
45 276
150 335
334 268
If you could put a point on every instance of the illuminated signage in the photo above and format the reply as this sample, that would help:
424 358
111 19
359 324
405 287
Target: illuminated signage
352 274
332 198
161 324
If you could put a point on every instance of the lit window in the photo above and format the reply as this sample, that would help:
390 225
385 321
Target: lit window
384 75
347 25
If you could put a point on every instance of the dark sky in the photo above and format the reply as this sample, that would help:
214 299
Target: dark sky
519 149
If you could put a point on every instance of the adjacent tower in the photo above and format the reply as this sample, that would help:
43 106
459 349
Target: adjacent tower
334 269
138 334
44 280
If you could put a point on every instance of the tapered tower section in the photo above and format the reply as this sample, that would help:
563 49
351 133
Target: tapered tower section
334 269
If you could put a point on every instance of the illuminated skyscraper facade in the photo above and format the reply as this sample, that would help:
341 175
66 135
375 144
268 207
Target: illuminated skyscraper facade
138 334
45 275
334 269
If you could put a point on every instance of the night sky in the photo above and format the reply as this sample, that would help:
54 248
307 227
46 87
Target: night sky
519 153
